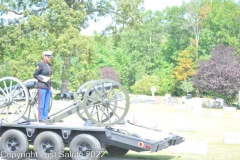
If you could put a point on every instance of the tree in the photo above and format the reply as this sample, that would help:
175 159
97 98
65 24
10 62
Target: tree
143 85
185 66
187 86
176 37
56 25
110 73
222 25
220 74
165 76
196 13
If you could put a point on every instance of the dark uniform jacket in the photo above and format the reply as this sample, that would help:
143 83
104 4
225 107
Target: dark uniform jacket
43 69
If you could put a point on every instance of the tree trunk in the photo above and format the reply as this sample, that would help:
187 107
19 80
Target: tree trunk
64 88
65 80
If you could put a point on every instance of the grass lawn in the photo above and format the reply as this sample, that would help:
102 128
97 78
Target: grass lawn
205 128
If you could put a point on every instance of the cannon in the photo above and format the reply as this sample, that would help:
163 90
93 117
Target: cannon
104 102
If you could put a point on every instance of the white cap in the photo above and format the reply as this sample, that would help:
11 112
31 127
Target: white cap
47 53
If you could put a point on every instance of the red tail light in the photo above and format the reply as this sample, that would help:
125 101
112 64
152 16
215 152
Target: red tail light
148 146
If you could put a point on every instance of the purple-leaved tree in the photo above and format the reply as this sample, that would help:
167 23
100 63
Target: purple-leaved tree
110 73
220 75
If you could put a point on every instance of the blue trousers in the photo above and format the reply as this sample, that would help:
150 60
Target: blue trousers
43 103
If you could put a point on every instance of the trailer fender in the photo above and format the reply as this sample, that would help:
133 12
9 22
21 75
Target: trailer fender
48 146
116 150
13 144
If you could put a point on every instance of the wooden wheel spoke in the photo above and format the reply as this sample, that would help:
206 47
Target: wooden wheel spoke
18 99
7 112
103 90
3 109
14 90
5 85
92 110
108 116
29 111
118 100
115 94
110 90
98 93
20 105
114 112
95 104
96 112
2 91
117 106
21 91
102 114
17 109
10 88
93 98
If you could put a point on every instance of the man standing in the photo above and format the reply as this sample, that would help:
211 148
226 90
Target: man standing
43 73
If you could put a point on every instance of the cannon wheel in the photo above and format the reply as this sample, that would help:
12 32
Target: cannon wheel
81 112
101 101
14 99
79 90
32 111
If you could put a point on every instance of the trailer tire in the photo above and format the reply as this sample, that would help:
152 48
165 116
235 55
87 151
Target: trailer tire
85 146
116 150
47 141
13 142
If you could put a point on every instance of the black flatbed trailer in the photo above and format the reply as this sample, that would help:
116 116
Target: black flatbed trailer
49 141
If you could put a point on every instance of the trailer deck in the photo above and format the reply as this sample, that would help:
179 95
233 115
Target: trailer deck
127 136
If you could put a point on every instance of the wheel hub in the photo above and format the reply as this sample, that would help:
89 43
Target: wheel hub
8 99
13 144
48 146
83 148
106 102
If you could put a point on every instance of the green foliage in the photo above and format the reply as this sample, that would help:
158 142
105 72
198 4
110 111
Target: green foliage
223 24
56 25
187 86
139 42
166 78
143 85
74 57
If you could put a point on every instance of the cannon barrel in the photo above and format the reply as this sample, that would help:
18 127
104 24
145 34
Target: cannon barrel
97 87
29 85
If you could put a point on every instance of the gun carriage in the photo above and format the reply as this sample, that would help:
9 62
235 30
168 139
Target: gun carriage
105 102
